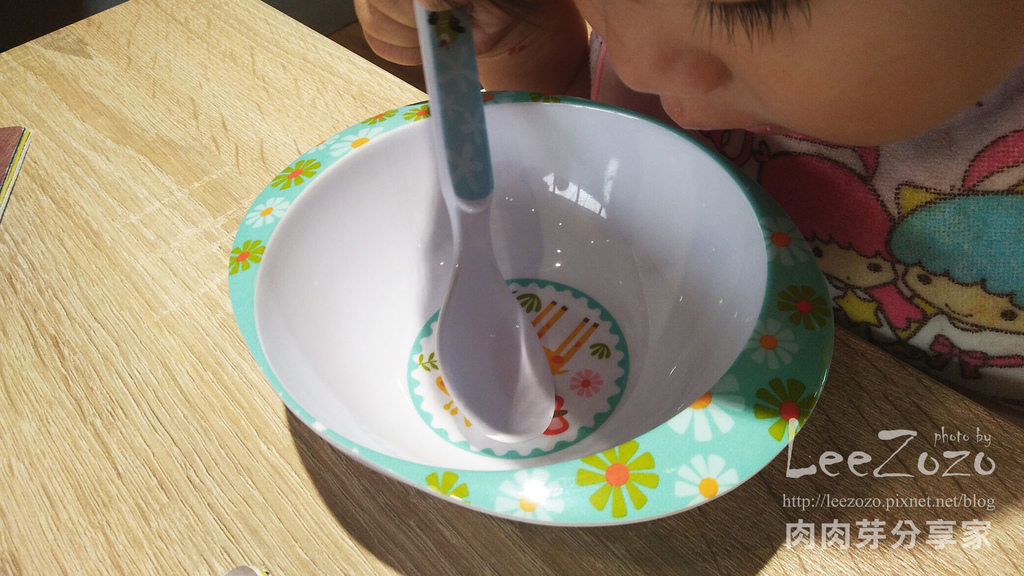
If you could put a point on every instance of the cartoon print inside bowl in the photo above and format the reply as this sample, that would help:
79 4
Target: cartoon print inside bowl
683 317
586 353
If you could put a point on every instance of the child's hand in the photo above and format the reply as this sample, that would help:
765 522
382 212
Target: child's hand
390 27
544 49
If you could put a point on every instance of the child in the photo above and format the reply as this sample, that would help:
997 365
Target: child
892 132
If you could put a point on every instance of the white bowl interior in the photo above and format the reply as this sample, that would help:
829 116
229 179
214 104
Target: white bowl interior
633 214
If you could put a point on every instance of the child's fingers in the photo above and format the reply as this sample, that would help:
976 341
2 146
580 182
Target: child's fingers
442 5
403 55
398 10
389 29
390 26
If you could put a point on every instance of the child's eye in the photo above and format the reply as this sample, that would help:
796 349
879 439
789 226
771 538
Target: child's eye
756 17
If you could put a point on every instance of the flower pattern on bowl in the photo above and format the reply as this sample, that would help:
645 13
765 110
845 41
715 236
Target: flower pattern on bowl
530 494
782 238
585 350
773 344
705 478
715 406
621 474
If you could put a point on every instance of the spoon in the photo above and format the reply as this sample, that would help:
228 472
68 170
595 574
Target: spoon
492 362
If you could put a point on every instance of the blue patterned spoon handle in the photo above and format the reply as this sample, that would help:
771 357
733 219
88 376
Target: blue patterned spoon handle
453 84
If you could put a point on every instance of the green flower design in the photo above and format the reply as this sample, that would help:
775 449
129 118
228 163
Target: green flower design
541 97
600 351
379 117
783 402
446 486
428 363
806 306
296 174
251 251
418 113
616 468
529 302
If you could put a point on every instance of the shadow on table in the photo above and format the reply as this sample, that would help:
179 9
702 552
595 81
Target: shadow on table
741 532
416 533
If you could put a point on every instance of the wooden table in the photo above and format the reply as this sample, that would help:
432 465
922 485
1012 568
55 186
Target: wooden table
138 436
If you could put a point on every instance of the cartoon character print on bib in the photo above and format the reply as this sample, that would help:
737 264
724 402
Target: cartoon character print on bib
963 257
932 272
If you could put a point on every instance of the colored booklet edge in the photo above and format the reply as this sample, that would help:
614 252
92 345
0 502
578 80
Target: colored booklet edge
12 155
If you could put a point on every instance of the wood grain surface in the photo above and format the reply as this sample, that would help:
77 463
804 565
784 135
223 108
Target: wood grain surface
138 436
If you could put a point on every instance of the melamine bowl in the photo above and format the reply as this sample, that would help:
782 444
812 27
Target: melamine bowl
686 320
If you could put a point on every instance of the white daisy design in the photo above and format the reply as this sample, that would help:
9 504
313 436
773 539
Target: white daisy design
473 127
349 142
705 478
458 72
327 143
464 165
772 344
711 408
530 495
268 212
450 104
780 237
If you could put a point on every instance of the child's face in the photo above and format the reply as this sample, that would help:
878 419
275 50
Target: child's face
858 73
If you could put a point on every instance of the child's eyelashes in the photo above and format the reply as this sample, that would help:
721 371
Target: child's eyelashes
756 18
